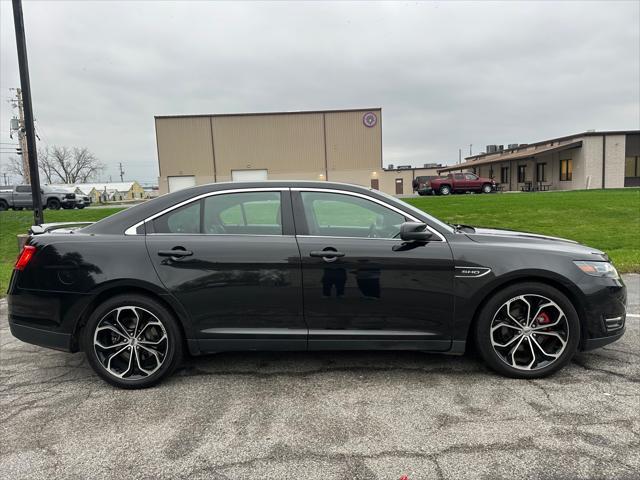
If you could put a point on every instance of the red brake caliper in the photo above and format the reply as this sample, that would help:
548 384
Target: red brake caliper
543 319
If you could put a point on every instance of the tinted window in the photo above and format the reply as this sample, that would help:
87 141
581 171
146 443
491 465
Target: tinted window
249 213
23 189
458 176
337 215
185 219
470 176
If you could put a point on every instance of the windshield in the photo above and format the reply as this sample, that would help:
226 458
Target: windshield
418 212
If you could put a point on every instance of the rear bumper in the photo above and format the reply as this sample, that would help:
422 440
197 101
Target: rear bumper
41 337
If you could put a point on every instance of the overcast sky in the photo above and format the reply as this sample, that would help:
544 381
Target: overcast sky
446 74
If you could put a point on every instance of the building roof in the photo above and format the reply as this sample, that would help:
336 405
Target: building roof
270 113
521 153
100 186
530 150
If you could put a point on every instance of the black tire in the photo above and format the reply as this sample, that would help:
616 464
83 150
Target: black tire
174 341
3 206
483 326
445 190
53 204
79 207
486 188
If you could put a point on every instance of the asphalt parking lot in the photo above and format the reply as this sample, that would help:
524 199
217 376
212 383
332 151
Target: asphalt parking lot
355 415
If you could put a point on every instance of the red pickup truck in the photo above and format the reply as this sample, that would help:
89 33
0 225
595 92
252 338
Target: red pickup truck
458 182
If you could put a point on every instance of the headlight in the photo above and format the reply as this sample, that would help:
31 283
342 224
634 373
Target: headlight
598 269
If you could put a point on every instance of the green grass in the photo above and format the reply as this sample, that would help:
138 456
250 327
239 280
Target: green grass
608 220
605 219
12 223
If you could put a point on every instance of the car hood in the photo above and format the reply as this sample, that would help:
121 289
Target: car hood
492 235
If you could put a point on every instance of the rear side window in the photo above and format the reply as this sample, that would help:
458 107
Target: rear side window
185 219
246 213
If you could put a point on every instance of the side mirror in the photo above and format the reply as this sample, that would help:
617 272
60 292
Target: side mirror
415 231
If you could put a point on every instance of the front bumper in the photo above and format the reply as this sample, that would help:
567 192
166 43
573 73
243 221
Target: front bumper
604 313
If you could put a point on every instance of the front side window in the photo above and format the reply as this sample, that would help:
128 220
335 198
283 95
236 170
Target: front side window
23 189
470 176
339 215
566 169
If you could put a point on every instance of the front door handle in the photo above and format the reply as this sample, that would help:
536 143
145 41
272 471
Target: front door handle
178 252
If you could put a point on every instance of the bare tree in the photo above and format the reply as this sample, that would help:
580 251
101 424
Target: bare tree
44 162
66 165
15 167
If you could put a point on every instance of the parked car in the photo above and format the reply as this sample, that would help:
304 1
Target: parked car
306 266
459 182
20 197
420 184
82 201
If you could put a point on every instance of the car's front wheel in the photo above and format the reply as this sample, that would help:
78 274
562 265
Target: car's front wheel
486 188
445 190
53 204
528 330
132 341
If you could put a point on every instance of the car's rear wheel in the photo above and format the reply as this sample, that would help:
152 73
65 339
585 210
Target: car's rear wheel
445 190
486 188
132 341
53 204
528 330
3 206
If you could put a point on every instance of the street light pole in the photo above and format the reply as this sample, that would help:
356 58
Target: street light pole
34 174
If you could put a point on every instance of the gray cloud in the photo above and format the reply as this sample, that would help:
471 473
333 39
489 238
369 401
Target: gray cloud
446 74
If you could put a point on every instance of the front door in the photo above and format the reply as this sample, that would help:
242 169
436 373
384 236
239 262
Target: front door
362 289
399 186
232 261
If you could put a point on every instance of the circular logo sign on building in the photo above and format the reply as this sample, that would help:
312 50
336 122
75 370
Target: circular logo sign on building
369 119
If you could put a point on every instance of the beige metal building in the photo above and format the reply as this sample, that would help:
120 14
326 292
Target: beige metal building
333 145
581 161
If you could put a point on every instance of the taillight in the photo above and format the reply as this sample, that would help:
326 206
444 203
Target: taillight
25 257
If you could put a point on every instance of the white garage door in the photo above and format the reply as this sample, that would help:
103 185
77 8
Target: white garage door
178 183
248 175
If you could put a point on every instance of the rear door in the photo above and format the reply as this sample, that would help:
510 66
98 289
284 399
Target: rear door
362 287
232 260
22 196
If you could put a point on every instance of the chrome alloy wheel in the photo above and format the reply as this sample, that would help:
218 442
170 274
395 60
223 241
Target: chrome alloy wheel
529 332
130 343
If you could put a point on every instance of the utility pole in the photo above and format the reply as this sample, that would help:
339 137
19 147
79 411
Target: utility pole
5 179
459 155
121 173
22 137
23 64
470 146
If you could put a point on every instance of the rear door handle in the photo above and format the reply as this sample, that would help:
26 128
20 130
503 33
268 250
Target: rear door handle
175 253
326 254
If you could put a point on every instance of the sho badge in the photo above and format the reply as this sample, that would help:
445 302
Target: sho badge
471 272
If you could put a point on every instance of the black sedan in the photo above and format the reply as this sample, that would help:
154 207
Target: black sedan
306 266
